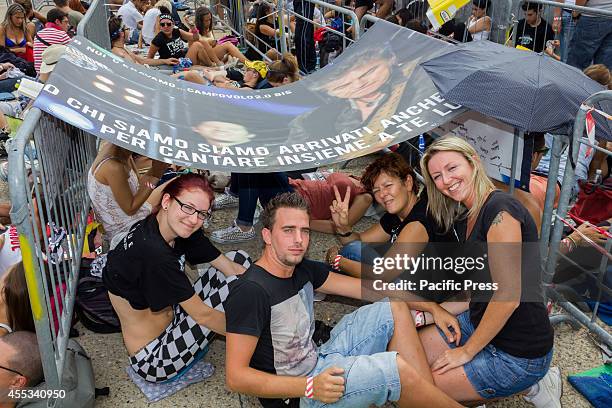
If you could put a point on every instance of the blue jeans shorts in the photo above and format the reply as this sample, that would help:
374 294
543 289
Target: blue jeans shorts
496 374
358 344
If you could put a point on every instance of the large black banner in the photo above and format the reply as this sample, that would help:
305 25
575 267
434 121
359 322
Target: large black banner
372 96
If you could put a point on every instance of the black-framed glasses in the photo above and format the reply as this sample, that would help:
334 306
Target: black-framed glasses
189 210
12 371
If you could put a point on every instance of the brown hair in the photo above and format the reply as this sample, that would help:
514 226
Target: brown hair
392 164
15 293
76 5
284 200
599 73
285 67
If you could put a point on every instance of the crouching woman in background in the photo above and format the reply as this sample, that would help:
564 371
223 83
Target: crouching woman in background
166 321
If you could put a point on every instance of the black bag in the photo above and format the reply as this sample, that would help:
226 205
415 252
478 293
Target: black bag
93 306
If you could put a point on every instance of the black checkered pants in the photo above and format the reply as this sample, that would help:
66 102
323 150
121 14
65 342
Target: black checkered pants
176 348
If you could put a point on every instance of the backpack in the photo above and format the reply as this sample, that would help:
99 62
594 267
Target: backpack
93 306
77 381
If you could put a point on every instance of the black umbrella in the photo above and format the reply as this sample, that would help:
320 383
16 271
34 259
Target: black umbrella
532 92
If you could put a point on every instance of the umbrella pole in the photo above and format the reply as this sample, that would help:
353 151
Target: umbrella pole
517 134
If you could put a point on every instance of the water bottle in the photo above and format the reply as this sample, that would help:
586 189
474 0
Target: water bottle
597 178
422 144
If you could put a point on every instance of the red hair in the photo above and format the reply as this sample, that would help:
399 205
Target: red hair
189 181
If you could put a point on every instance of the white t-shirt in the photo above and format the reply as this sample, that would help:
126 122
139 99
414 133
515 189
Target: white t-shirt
130 15
148 24
10 253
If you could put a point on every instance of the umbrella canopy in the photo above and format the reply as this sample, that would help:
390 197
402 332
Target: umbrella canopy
529 91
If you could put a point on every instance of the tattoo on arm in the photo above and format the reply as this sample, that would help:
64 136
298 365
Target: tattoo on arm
498 218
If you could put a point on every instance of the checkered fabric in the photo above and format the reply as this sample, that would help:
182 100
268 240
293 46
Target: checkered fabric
164 357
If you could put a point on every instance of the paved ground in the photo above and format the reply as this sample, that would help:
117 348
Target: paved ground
573 350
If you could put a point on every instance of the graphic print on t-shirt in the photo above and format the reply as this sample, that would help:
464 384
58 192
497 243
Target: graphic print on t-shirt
175 46
292 327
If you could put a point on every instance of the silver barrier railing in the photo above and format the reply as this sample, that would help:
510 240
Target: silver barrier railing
94 25
48 164
549 246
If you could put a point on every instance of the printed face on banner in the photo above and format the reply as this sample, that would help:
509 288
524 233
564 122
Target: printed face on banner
344 111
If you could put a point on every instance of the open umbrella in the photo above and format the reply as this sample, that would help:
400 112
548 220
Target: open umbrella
529 91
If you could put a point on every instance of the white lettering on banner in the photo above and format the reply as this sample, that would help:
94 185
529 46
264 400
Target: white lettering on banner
323 154
234 150
86 109
52 89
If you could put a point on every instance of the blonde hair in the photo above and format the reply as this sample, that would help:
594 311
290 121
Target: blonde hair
164 3
444 209
599 73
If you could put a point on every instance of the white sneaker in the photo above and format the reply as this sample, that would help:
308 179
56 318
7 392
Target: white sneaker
549 390
225 200
232 234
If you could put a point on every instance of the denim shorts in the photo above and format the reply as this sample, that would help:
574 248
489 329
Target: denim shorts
358 344
496 374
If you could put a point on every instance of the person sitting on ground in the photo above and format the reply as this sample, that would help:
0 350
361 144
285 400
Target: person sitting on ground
15 309
374 354
169 43
533 31
319 194
218 53
283 71
32 16
20 364
118 33
265 32
478 23
55 32
394 186
16 34
74 17
506 342
119 196
150 22
132 18
165 320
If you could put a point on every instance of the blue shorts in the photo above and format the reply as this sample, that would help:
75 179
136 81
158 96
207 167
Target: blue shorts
496 374
358 344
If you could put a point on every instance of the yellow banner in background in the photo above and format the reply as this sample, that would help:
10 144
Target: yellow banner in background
441 11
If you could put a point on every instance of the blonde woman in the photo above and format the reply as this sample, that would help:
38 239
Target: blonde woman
16 33
506 337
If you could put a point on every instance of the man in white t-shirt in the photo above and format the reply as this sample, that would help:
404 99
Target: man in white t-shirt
132 19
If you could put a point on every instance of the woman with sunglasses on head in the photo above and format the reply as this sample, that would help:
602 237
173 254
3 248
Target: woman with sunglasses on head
166 321
169 43
506 338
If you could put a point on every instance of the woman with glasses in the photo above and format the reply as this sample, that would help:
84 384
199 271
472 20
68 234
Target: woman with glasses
169 43
166 321
118 195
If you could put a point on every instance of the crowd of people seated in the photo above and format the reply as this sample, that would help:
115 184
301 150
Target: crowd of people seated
453 350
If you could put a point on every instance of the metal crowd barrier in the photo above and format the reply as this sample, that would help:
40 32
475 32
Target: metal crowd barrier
550 241
48 164
94 25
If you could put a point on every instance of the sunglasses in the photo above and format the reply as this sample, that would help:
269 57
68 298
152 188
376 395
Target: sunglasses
165 24
12 371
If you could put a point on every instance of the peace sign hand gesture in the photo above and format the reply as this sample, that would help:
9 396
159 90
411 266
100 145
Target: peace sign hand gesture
340 210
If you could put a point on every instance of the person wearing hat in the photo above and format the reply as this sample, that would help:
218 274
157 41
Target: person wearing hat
169 43
50 58
256 72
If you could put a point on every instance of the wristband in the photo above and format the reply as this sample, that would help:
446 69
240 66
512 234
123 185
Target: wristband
419 318
336 263
309 393
345 235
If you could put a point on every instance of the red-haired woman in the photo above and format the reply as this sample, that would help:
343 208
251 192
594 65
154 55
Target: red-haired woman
166 321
